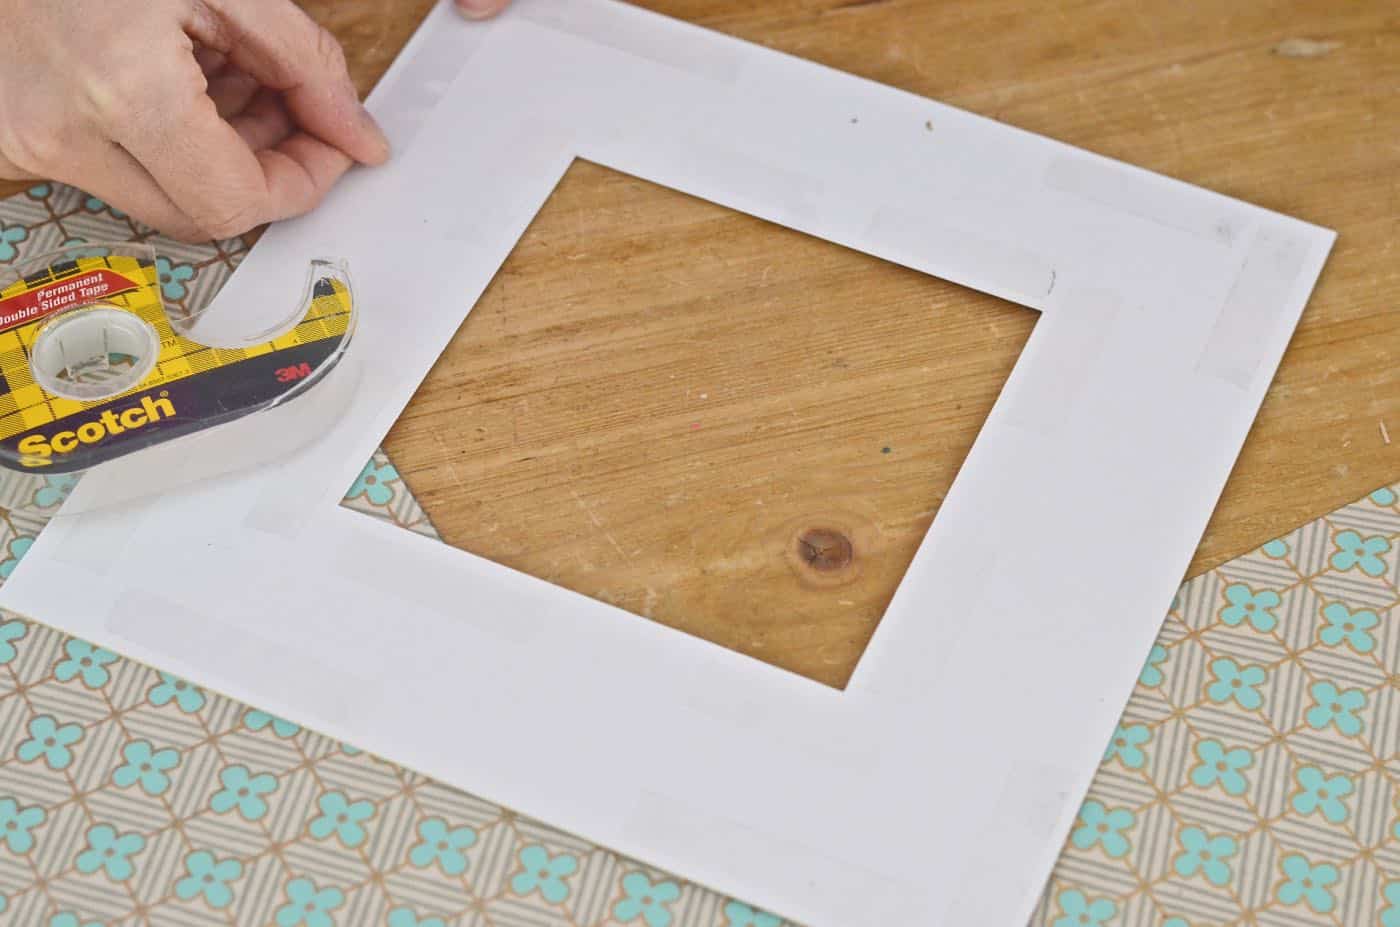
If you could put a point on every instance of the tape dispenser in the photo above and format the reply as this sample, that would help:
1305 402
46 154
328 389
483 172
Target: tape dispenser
95 368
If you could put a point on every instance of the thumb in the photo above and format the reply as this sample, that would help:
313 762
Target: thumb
481 9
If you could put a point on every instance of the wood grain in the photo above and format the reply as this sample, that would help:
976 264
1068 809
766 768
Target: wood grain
658 399
717 423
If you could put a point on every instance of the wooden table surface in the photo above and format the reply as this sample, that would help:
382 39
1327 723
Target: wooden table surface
744 433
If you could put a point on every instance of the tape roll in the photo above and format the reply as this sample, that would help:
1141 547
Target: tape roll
94 367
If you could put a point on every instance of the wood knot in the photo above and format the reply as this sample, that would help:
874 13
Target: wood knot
825 550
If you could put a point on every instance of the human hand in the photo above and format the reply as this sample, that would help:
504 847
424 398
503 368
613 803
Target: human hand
481 9
201 118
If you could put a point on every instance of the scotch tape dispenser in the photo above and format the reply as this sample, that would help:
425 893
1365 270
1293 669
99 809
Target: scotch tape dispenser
95 368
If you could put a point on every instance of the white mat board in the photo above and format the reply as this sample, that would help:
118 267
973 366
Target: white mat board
939 786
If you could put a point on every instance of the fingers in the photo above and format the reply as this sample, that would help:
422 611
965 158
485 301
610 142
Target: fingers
210 61
232 91
264 122
210 171
481 9
283 49
300 171
196 157
250 118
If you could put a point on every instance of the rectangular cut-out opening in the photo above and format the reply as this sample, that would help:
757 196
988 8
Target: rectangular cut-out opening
716 423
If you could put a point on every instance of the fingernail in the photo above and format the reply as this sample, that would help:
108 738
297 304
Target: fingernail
480 9
381 141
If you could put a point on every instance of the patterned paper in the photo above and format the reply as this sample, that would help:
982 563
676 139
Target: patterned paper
1253 779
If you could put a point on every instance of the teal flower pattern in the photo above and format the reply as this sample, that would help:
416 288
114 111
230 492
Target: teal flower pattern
1151 675
1236 683
1384 496
1348 627
1277 549
342 818
1102 827
186 697
442 846
1247 605
256 720
55 490
93 204
17 824
1204 854
69 919
738 914
10 631
1357 553
17 548
146 766
173 278
1078 910
1320 793
50 741
85 661
110 852
646 900
1304 882
10 236
543 873
243 792
1335 708
1219 766
374 483
1390 917
309 906
404 917
208 877
1126 746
